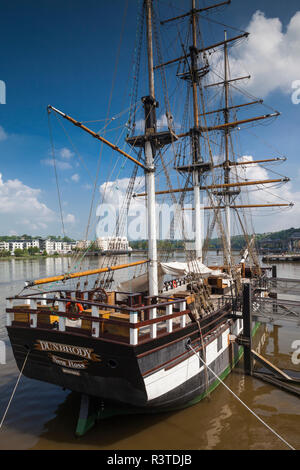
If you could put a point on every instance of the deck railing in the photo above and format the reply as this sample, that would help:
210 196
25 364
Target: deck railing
130 324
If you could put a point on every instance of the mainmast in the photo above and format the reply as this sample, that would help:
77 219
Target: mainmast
227 198
150 106
198 167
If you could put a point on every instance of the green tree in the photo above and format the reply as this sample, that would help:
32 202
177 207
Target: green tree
18 252
33 250
4 253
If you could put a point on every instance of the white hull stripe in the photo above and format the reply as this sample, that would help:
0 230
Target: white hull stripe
163 381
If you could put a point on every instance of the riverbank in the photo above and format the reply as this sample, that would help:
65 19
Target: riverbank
33 257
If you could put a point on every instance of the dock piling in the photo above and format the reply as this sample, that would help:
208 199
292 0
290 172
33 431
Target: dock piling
247 322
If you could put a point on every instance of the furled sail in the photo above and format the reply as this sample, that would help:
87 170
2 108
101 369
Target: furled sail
175 268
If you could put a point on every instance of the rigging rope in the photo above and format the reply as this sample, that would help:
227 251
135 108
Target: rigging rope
56 176
108 111
14 390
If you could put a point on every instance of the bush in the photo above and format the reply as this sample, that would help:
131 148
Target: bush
4 253
20 253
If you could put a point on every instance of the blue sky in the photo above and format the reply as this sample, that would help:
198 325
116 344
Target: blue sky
64 53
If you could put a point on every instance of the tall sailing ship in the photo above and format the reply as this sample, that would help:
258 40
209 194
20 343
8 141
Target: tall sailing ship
160 340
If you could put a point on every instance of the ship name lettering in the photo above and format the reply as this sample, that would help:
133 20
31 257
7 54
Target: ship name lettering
65 348
69 363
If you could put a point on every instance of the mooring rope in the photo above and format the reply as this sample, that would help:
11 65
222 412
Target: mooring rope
14 390
244 404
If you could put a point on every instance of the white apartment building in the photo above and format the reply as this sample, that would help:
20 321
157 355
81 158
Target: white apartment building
113 243
50 246
83 244
31 244
18 245
4 246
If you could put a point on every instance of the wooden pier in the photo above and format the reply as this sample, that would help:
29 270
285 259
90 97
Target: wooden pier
282 258
285 380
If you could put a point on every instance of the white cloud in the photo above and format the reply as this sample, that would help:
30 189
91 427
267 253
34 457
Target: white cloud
269 219
112 200
62 163
59 164
113 192
135 225
270 55
20 205
162 123
3 135
66 153
70 219
264 219
75 178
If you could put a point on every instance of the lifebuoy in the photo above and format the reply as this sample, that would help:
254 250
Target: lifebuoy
174 284
75 308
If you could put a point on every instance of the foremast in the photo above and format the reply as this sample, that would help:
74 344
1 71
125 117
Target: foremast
151 141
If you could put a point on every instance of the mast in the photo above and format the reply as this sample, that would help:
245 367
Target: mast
150 105
198 166
195 140
227 162
150 47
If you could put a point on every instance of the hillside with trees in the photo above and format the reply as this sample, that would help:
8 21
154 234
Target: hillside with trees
237 242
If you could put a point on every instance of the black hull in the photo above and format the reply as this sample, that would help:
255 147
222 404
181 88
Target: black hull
119 373
122 383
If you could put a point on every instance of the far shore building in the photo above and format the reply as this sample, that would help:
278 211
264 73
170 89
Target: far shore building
49 246
105 244
4 246
113 244
294 242
83 244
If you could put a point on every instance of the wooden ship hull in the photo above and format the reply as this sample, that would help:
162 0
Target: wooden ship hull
126 352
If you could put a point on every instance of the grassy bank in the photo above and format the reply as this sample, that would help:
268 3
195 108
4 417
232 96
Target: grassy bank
32 257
